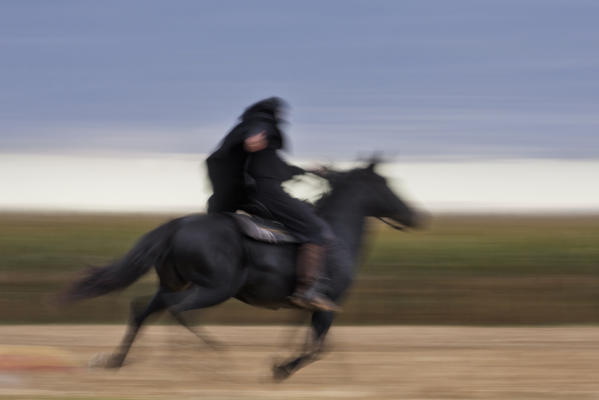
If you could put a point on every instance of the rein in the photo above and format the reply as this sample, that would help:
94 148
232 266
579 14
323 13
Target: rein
392 225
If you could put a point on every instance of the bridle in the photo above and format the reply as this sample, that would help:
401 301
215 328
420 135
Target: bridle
392 224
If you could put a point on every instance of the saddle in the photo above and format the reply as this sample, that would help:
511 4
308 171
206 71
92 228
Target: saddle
256 222
262 229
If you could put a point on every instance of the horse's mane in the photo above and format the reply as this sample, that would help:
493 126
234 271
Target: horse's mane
337 181
324 199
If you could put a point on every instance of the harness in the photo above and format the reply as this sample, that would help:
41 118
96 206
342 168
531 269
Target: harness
392 224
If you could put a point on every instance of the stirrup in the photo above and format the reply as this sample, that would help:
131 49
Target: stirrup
314 302
322 303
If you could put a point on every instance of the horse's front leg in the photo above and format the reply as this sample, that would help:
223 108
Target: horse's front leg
321 322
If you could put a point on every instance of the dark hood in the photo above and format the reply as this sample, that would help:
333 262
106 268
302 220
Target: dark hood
271 108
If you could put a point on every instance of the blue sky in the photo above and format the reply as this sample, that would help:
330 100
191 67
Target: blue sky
484 79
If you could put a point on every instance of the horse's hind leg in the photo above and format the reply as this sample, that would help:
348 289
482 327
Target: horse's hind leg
195 298
213 344
137 318
192 298
321 322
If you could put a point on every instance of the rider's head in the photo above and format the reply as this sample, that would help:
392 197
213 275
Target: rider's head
273 107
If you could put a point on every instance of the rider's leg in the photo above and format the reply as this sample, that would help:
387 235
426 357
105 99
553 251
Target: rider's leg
307 293
314 232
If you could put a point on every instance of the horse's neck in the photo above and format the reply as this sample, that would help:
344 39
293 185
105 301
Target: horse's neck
346 219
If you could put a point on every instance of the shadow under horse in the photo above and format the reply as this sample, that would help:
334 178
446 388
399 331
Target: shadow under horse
203 260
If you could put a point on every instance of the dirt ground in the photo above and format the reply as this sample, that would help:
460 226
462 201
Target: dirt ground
398 362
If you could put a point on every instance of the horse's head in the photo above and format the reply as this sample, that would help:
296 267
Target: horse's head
371 191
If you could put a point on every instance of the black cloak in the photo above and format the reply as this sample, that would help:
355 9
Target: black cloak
227 165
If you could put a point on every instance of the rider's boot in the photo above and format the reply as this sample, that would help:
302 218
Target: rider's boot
307 294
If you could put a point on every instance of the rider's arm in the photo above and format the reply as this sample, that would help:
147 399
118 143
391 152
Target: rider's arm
295 170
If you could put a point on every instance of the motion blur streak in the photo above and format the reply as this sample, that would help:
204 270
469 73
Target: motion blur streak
369 363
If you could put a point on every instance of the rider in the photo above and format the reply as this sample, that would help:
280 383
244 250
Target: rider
247 166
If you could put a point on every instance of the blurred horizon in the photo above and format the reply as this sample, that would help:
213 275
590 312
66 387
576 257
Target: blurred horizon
177 183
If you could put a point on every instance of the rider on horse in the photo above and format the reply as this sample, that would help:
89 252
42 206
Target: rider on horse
247 168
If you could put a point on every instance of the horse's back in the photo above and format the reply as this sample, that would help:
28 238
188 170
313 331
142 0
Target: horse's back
200 229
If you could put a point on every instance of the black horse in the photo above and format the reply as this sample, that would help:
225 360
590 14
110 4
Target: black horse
203 260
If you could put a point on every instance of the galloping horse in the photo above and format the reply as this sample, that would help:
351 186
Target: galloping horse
203 260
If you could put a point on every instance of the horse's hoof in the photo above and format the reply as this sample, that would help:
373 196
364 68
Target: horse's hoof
105 360
280 372
114 362
101 360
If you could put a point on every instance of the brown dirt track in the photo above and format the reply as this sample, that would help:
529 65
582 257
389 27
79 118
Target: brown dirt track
407 362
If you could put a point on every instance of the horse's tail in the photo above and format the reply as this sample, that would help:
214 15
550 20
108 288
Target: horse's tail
147 252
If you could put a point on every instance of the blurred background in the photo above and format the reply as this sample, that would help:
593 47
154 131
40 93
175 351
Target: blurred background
487 111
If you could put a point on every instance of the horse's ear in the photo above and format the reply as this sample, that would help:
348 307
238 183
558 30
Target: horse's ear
374 160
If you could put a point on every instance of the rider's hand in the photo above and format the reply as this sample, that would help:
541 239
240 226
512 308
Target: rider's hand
255 142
